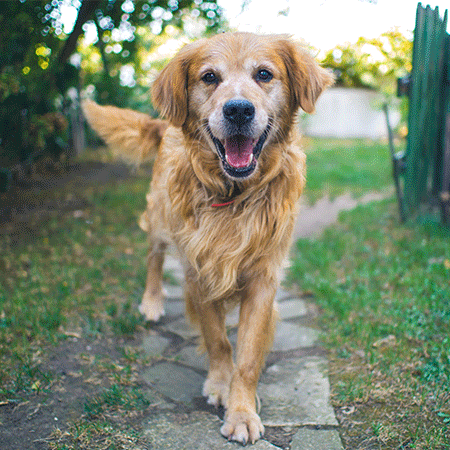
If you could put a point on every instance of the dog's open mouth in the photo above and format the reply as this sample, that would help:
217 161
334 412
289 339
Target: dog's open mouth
239 153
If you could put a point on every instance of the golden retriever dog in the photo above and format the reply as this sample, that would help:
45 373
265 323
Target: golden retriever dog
226 182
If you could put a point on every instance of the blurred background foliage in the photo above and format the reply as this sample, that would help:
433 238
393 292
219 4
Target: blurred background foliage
372 63
54 51
375 64
51 49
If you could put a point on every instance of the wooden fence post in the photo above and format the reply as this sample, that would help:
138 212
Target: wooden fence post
445 194
428 105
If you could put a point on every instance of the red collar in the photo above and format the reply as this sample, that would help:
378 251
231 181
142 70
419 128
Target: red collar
215 205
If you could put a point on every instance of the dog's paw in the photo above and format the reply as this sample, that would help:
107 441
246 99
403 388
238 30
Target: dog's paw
216 392
152 307
242 426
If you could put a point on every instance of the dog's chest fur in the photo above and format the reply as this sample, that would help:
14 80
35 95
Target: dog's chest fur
222 244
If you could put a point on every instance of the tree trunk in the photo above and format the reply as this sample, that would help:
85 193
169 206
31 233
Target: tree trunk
85 13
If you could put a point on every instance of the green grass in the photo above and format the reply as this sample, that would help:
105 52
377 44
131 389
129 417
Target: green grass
335 167
98 435
116 400
383 288
69 276
81 271
78 273
385 294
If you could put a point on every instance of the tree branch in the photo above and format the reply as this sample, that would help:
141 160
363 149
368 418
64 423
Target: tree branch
85 13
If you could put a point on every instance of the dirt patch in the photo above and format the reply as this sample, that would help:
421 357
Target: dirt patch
38 198
36 195
75 367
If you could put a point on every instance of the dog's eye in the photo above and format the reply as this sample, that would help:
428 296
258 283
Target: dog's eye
210 78
263 75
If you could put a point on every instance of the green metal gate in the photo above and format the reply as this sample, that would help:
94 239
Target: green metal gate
427 169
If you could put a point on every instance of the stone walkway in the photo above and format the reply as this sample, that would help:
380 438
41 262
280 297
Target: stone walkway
313 219
293 389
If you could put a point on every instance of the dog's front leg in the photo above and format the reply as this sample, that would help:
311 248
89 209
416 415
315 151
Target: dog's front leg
255 336
210 316
217 384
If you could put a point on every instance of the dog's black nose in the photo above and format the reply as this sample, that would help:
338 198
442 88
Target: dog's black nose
239 112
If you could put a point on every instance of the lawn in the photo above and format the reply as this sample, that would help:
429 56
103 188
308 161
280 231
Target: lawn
72 271
336 167
384 290
69 287
71 280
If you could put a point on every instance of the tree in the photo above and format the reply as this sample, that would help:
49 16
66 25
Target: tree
35 58
372 63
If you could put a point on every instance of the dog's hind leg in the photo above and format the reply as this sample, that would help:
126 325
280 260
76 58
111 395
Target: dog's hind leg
152 305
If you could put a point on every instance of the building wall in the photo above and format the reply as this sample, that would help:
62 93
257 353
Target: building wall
348 113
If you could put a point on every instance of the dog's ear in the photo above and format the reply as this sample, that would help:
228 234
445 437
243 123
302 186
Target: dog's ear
169 90
307 79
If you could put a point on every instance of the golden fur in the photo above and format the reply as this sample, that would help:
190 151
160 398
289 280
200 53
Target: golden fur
232 253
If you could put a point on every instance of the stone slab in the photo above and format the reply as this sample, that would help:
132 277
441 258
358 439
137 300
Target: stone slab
292 308
154 345
232 319
172 263
287 309
182 328
282 295
307 439
289 336
191 431
178 383
191 357
173 308
173 292
295 392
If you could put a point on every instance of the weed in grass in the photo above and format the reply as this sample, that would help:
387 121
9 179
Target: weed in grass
436 370
112 310
92 326
26 377
132 354
52 320
99 435
445 417
126 322
377 428
115 400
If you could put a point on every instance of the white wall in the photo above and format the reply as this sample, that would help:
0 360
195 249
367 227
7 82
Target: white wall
348 113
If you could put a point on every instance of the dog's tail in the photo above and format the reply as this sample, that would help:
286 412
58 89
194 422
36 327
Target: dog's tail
132 135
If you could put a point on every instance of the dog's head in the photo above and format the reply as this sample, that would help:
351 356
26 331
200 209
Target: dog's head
238 92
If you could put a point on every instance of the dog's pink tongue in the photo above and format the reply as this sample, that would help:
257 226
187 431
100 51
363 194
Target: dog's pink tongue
239 151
